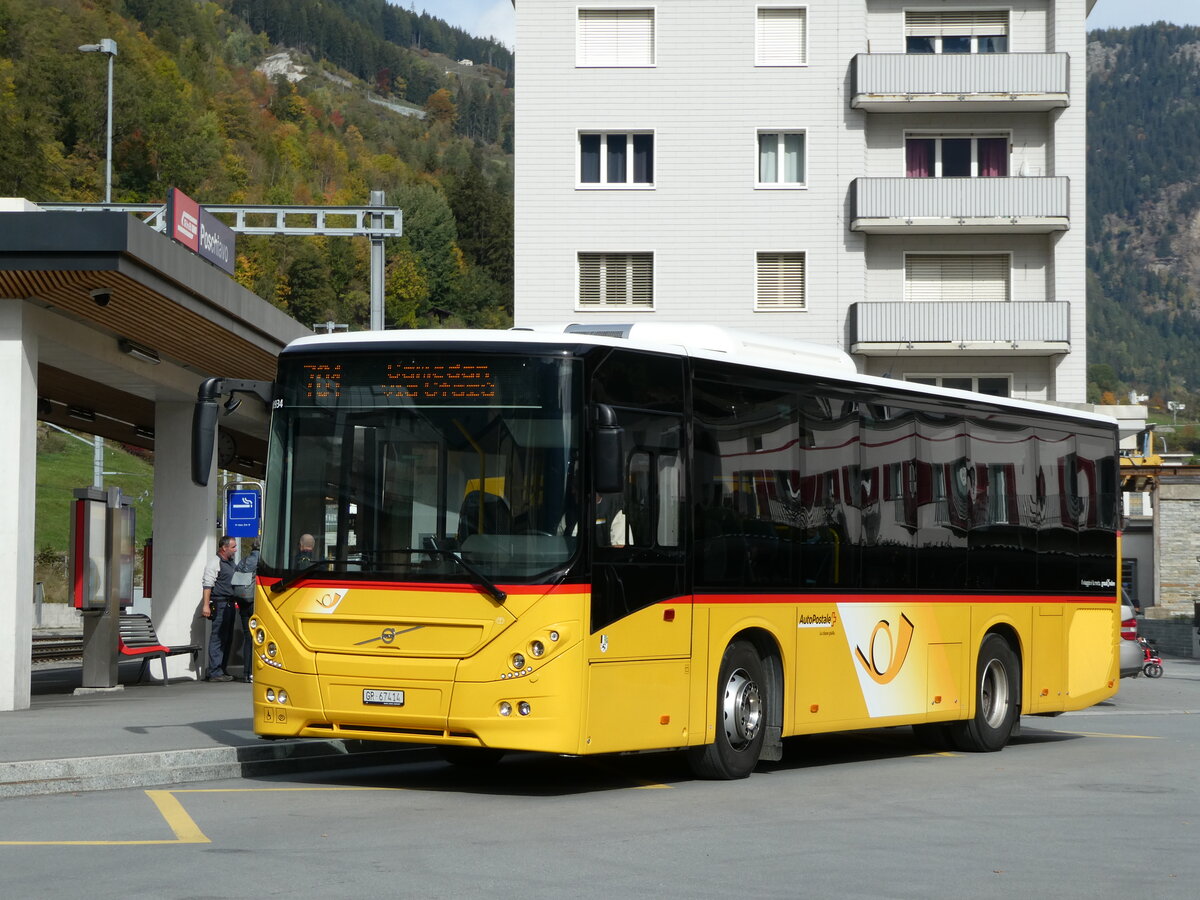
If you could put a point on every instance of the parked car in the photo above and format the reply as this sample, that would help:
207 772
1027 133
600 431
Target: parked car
1132 656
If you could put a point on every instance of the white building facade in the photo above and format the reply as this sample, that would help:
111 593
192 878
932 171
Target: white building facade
902 180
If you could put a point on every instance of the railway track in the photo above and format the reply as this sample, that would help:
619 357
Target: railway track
57 646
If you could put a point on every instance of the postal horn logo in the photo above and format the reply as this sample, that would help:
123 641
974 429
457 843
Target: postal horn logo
887 652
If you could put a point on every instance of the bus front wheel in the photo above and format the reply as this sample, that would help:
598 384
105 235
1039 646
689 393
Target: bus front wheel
997 695
741 717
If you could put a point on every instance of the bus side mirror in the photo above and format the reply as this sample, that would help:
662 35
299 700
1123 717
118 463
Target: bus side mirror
608 459
204 428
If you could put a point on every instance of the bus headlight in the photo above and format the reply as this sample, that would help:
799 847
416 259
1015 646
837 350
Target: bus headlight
259 635
523 708
518 661
272 649
505 708
536 649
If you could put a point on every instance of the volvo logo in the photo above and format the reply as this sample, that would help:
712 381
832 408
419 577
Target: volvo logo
387 636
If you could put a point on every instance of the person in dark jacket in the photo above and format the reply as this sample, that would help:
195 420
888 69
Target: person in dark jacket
218 607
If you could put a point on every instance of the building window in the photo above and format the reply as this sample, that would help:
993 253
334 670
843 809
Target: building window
992 385
614 37
781 159
781 36
616 159
611 280
779 282
956 156
956 31
932 277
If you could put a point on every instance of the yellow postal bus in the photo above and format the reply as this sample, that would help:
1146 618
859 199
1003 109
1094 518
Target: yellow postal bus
595 543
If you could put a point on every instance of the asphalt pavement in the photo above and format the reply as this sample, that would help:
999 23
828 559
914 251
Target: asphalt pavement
186 731
149 734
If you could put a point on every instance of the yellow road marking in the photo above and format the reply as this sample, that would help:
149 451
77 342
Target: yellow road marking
936 754
1128 737
184 827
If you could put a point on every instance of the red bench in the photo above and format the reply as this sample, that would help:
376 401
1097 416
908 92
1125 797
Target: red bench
138 640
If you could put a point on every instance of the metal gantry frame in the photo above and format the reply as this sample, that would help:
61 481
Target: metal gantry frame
376 222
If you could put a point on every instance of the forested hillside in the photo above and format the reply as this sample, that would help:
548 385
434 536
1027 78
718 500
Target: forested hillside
370 98
1144 212
198 107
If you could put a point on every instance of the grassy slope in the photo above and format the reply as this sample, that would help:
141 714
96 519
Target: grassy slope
64 464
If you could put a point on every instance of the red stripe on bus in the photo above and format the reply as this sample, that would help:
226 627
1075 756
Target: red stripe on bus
452 588
896 598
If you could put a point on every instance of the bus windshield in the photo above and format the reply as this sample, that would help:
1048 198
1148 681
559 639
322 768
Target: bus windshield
412 466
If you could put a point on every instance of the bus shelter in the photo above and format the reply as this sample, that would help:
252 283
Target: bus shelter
108 327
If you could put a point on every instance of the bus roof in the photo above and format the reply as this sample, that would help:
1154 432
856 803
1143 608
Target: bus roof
709 342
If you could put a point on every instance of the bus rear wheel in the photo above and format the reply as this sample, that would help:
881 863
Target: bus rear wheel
741 717
997 694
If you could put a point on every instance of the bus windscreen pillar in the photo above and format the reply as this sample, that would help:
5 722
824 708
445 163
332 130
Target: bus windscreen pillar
101 568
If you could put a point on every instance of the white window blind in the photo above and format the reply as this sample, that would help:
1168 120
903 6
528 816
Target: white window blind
781 36
956 277
780 281
955 23
615 37
616 279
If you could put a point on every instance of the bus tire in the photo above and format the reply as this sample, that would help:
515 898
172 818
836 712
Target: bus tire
741 717
471 757
997 693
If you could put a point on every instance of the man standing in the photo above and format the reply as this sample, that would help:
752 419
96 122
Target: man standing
218 606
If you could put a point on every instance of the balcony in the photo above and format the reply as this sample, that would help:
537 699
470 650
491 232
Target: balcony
966 82
960 328
1009 205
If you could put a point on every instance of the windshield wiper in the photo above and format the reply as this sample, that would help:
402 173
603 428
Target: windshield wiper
481 580
284 583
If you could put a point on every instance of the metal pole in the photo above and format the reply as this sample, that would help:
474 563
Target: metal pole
108 47
108 144
97 461
377 264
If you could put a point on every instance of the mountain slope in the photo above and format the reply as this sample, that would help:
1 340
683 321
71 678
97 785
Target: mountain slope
1144 208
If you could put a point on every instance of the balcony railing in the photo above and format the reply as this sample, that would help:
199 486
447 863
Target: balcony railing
921 328
970 82
1034 205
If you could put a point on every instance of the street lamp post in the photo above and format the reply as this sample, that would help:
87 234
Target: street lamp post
108 47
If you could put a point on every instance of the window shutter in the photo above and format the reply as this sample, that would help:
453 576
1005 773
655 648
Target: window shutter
955 23
616 279
780 281
615 37
929 277
590 267
781 36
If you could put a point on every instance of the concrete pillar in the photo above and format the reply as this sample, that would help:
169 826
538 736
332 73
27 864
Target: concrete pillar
185 523
18 477
1176 546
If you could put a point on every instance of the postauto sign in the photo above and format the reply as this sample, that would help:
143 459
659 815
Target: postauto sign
200 231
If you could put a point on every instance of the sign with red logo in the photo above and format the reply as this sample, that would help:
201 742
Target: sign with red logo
200 231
